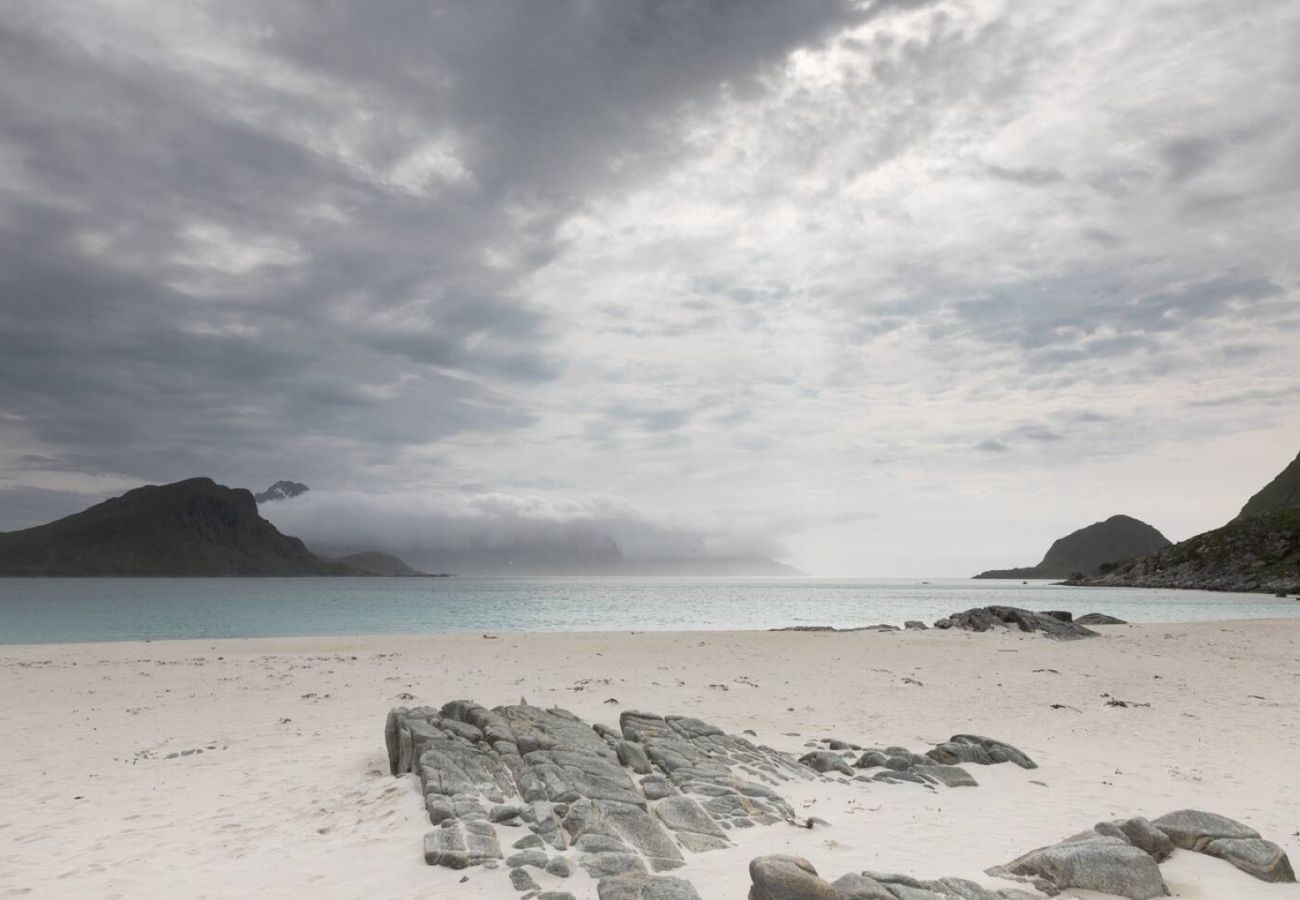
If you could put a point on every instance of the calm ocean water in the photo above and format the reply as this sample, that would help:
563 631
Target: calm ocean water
55 610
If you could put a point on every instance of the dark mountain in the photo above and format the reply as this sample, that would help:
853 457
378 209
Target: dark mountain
375 562
1089 549
193 527
1258 553
281 490
1282 493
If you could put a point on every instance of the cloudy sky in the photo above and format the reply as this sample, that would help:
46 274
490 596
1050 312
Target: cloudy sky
887 288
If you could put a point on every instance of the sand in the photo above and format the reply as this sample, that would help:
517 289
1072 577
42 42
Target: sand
291 797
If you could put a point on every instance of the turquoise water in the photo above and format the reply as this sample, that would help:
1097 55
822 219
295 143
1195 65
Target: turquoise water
57 610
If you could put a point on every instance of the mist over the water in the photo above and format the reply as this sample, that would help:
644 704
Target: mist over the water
422 525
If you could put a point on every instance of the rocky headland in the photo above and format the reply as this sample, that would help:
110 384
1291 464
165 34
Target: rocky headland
1089 549
1254 554
190 528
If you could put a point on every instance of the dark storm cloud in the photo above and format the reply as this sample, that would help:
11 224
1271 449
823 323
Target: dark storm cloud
299 245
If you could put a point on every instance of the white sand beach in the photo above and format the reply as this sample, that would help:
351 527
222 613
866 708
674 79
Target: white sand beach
291 797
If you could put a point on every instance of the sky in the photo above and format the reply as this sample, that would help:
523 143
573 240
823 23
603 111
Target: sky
891 288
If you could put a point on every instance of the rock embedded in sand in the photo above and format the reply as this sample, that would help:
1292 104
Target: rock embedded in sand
1120 857
1263 859
983 751
522 881
787 878
1001 618
1227 839
458 845
645 887
1099 619
1093 862
573 786
826 761
858 886
1192 829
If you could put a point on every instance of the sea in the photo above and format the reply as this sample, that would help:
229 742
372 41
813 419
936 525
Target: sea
64 610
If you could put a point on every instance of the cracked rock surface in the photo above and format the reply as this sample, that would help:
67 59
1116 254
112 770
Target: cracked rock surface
622 804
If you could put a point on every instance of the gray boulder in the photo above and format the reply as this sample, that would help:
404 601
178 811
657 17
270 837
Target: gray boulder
1227 839
859 886
456 844
948 776
1255 856
826 761
1099 619
1192 829
645 887
983 751
1141 834
787 878
522 881
534 858
1091 862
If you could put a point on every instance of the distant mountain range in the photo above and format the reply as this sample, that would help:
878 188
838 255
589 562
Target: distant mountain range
1259 550
1089 549
192 527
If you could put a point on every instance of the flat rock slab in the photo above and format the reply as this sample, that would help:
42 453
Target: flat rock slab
628 802
645 887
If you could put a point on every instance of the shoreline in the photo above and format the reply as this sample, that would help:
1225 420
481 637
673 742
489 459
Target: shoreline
291 791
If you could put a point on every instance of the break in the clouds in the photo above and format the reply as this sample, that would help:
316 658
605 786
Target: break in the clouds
907 287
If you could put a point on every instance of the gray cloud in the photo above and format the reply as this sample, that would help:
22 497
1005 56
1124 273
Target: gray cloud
228 252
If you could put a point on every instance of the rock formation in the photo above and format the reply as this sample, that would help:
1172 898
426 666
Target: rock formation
1120 858
1058 625
624 804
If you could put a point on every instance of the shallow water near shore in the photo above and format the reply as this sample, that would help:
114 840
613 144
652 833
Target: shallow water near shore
61 610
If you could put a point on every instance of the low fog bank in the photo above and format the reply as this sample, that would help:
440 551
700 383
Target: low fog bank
498 533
